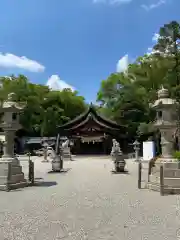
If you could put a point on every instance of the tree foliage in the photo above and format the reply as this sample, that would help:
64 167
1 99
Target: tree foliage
126 96
45 109
123 97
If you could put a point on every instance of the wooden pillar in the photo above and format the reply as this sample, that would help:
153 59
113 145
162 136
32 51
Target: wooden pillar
104 146
139 174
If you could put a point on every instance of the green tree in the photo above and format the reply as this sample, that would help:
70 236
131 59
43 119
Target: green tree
126 96
45 109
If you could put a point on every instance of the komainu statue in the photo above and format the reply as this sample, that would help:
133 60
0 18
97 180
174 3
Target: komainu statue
66 152
117 157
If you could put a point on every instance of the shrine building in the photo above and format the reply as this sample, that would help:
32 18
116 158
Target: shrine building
92 134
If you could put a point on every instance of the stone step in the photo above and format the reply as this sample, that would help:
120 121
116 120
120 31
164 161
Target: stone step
155 169
14 179
153 186
172 165
168 173
154 179
168 165
167 190
172 182
155 173
22 184
174 190
14 169
172 173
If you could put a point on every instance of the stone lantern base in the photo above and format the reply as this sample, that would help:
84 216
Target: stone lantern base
166 159
13 177
67 154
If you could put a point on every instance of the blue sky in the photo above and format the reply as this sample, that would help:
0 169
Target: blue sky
78 41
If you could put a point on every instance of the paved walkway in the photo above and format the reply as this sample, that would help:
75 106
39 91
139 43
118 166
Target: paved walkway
88 202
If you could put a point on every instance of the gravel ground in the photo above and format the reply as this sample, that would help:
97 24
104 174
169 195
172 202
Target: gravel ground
87 202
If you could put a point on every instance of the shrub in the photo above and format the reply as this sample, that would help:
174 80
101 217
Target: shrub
177 155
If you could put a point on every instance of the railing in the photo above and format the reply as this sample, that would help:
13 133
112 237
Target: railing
31 170
169 180
150 166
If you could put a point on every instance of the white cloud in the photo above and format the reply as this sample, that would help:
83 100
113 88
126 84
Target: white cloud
112 1
9 60
155 37
56 84
153 5
122 64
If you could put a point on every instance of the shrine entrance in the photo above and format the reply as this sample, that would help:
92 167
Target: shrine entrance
90 145
92 148
92 133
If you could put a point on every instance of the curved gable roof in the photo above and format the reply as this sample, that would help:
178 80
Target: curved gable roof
91 111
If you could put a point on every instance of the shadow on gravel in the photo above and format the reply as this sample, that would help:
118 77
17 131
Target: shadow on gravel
122 173
45 184
63 171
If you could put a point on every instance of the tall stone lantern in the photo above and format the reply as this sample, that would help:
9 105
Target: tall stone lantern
10 124
165 121
136 145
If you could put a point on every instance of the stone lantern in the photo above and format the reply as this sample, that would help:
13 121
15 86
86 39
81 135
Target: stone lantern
165 121
136 145
10 124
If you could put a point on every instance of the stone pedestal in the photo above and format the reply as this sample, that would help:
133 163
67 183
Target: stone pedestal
67 154
13 177
136 156
171 172
167 148
119 162
57 164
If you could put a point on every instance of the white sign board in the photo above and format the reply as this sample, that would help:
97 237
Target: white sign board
148 150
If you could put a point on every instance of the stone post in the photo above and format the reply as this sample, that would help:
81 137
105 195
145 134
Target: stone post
8 145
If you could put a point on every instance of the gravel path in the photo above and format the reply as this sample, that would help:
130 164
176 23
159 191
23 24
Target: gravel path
87 202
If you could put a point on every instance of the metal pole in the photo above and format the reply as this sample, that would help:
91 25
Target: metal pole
57 144
29 161
32 173
161 180
149 170
139 174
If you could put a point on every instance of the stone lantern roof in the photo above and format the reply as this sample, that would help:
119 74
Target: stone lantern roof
163 93
11 106
163 98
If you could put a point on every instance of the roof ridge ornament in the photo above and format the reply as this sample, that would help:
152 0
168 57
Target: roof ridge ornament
163 92
10 96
